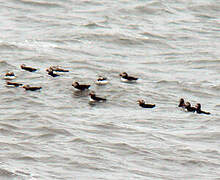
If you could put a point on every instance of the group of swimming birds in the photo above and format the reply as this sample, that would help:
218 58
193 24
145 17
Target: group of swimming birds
187 106
100 81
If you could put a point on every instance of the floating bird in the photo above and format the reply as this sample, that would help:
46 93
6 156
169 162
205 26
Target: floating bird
143 105
199 111
189 108
81 87
14 84
31 88
182 103
9 76
51 73
30 69
126 78
94 98
58 69
101 80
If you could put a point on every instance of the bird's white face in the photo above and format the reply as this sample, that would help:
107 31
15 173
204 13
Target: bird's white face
188 104
92 93
140 101
75 84
124 74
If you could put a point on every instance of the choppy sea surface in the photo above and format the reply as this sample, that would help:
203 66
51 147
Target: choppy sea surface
172 46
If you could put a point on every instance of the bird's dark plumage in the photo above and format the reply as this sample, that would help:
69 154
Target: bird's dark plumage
144 105
14 84
31 88
199 111
9 74
51 73
81 87
58 69
94 98
189 108
181 103
27 68
101 80
125 76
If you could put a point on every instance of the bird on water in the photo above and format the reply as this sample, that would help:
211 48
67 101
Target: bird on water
126 78
28 68
80 87
142 103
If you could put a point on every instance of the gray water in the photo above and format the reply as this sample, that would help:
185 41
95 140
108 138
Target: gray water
172 46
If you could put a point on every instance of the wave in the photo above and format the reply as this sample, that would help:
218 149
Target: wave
94 25
8 174
41 3
8 46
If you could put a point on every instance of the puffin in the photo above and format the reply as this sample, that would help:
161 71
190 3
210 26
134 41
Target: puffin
144 105
9 76
189 108
94 98
13 84
51 73
58 69
31 88
199 111
27 68
80 87
126 78
101 80
182 103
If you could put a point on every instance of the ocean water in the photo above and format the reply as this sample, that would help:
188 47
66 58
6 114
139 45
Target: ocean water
54 133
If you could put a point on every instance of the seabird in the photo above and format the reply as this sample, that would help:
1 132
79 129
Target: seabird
58 69
9 76
14 84
126 78
143 105
101 80
27 68
189 108
199 111
31 88
51 73
80 86
94 98
182 103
